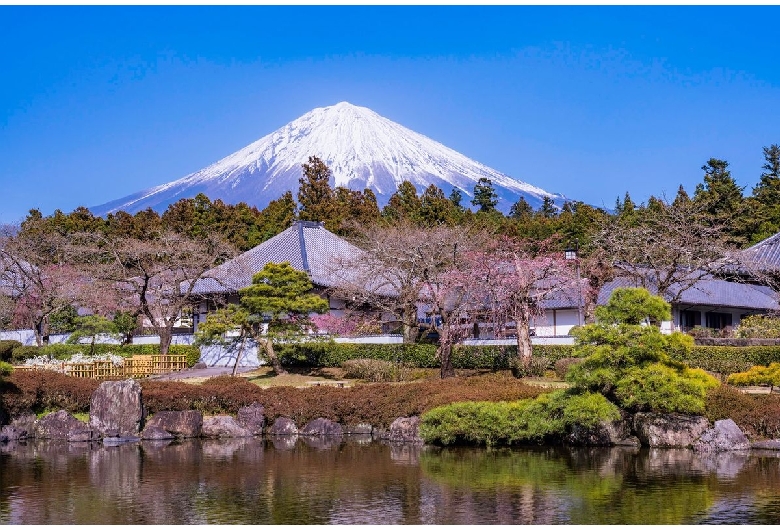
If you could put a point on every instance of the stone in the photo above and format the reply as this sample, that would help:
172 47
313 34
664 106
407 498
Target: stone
360 428
669 430
116 410
283 426
21 427
284 442
605 433
322 427
252 418
631 441
179 423
86 435
725 435
156 433
769 445
404 430
199 365
58 426
223 427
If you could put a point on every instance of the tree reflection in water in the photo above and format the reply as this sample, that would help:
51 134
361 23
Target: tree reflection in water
292 480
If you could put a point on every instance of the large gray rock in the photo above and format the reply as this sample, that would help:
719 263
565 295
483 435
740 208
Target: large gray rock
360 428
252 418
58 426
283 427
669 430
223 427
116 410
404 430
725 435
605 433
322 427
768 445
21 427
156 433
178 423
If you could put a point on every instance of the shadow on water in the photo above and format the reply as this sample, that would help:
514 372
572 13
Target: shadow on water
352 480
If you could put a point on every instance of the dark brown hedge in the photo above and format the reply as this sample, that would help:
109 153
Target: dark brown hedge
758 415
377 404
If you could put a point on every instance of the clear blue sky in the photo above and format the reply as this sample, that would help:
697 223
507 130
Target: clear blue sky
591 102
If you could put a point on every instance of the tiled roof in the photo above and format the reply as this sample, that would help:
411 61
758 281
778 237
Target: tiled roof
764 255
709 291
306 245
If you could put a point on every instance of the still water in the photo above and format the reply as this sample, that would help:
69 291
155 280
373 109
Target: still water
358 481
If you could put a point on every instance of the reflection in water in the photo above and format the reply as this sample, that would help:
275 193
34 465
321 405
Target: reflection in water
305 480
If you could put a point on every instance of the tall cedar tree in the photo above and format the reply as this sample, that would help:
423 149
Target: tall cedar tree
316 198
485 196
721 198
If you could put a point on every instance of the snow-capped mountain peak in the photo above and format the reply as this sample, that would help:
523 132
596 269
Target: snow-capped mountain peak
362 149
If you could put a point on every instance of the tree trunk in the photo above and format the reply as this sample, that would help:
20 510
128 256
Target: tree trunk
445 354
166 337
268 346
410 325
524 348
238 355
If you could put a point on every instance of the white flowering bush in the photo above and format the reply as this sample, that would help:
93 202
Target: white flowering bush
77 358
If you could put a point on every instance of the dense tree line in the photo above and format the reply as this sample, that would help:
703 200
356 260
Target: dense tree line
58 261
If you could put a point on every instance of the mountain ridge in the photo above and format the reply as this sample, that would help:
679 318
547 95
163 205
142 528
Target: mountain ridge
362 149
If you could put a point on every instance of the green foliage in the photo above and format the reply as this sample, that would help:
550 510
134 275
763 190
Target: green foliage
633 306
634 366
536 367
529 421
728 359
485 196
63 320
279 290
757 375
661 388
91 327
758 327
64 352
5 369
7 347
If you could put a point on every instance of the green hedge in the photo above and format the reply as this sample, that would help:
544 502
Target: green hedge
7 347
720 359
332 354
66 351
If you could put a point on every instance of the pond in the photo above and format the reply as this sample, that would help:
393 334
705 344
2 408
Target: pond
360 481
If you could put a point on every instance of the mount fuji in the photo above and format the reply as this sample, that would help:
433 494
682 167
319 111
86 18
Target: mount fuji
362 149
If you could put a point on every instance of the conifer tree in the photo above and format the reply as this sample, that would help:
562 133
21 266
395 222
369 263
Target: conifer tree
485 196
521 209
316 198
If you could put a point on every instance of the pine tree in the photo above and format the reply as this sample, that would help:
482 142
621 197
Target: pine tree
404 204
521 209
721 198
485 197
547 209
316 198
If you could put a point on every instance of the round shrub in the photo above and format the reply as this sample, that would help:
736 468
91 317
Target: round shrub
537 366
375 370
22 353
7 347
562 366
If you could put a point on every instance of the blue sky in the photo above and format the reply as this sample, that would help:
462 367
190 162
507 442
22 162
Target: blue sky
592 102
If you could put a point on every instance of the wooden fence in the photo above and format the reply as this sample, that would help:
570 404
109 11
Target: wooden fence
135 367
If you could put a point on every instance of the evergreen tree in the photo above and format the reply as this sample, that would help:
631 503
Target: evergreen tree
456 197
682 198
547 209
765 201
485 197
316 198
404 204
521 209
720 197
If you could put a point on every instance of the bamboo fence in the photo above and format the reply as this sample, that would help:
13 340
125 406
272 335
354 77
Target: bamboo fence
136 366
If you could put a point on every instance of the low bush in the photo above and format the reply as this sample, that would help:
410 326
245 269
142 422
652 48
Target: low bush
536 367
562 366
757 415
378 404
545 418
758 327
64 352
6 348
332 354
375 370
726 360
41 390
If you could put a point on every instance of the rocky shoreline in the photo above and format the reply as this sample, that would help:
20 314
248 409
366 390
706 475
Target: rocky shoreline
117 415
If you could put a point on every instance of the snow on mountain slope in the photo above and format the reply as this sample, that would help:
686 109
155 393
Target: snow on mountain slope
362 149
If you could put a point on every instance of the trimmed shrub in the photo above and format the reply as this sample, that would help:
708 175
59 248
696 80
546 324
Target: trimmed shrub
537 366
375 370
6 348
5 369
62 352
562 366
757 415
661 388
549 416
332 354
726 360
45 390
758 327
